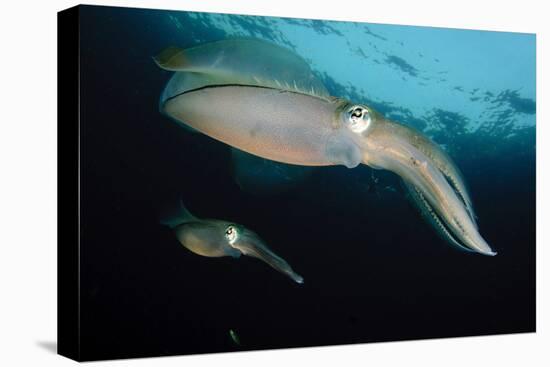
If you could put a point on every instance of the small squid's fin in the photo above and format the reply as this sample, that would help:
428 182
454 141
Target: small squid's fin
173 217
427 212
172 59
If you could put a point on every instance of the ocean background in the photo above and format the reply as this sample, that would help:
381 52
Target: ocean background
373 269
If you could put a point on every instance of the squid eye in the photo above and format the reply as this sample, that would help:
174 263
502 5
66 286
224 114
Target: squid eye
231 234
358 112
358 119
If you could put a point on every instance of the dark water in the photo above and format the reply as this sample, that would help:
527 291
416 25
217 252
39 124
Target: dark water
373 269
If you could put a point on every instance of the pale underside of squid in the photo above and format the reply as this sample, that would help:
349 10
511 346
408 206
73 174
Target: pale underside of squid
252 173
264 100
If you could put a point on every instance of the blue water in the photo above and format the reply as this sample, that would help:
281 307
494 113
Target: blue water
373 269
416 68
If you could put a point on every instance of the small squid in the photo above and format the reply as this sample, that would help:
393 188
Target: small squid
217 238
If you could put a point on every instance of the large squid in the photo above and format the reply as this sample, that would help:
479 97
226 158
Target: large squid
264 100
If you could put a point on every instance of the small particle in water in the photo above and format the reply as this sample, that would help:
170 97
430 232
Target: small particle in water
234 337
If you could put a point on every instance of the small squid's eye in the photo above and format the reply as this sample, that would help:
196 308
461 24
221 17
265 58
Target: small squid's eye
358 119
231 234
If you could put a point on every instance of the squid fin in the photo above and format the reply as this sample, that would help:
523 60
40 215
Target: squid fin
172 59
173 217
240 61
